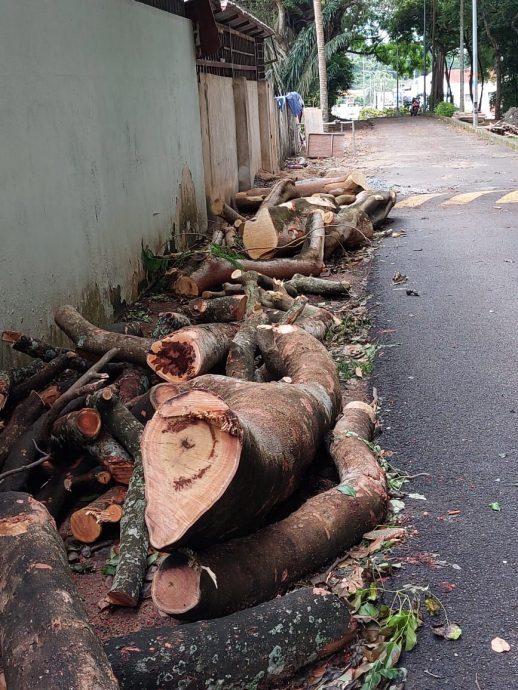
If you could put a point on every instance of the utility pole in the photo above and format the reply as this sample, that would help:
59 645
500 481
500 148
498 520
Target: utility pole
397 77
461 58
475 63
424 55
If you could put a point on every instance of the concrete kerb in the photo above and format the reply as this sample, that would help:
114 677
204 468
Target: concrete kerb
511 143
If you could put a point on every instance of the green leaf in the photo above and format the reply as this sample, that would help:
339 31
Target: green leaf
152 558
108 570
495 506
372 680
453 631
390 673
346 489
368 610
410 639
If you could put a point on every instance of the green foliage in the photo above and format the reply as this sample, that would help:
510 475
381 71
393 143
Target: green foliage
445 109
367 113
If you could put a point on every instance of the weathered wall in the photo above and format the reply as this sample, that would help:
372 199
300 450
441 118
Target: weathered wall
255 134
269 127
101 150
218 127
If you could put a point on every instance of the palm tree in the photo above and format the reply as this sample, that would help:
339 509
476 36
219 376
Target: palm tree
322 67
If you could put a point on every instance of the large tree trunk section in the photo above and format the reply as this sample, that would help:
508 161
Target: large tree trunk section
212 271
377 205
251 649
351 228
76 428
92 339
111 455
318 286
191 351
46 640
87 523
204 449
134 540
316 533
168 322
23 416
219 310
11 378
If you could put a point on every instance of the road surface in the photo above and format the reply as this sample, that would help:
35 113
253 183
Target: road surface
448 379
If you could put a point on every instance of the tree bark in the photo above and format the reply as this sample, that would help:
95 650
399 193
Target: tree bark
111 455
322 66
92 339
351 228
220 309
134 539
322 528
46 640
212 271
168 322
23 416
377 205
191 351
42 377
131 383
57 493
227 435
241 355
87 523
318 286
11 378
251 649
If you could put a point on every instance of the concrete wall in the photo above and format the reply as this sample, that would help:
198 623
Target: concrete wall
101 150
269 127
218 127
255 134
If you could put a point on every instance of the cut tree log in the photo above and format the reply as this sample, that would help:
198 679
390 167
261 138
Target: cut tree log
168 322
111 455
76 428
87 523
377 205
220 309
213 271
22 418
351 228
126 327
319 531
318 286
56 494
226 435
46 640
220 208
11 378
134 540
43 376
97 340
345 199
191 351
131 383
281 191
314 320
251 649
353 183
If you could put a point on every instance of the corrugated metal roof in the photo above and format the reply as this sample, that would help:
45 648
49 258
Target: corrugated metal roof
233 15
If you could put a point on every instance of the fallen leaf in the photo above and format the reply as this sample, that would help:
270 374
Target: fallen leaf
502 455
417 497
396 505
412 293
399 277
495 506
432 606
499 645
358 372
449 632
447 586
386 533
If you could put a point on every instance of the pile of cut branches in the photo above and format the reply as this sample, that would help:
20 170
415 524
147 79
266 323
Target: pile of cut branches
189 441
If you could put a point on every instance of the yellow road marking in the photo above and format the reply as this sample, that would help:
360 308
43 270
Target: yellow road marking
417 200
465 198
511 198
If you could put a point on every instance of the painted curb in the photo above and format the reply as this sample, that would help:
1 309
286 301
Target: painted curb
479 132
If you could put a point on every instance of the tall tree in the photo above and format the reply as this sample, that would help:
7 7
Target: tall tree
322 66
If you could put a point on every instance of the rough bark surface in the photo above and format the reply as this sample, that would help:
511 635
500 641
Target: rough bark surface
251 649
318 286
168 322
12 378
134 540
111 455
46 640
92 339
24 415
76 428
317 532
219 310
279 426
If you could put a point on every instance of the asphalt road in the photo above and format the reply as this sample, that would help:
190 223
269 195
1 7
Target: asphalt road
448 380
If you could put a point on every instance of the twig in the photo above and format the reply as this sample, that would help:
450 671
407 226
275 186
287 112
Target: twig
433 675
36 463
476 682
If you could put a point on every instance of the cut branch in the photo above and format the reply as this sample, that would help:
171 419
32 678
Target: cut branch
45 636
87 523
316 533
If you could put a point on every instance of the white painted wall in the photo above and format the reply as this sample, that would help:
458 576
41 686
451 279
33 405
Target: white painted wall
99 137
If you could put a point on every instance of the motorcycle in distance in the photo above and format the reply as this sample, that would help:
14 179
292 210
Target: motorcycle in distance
414 107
